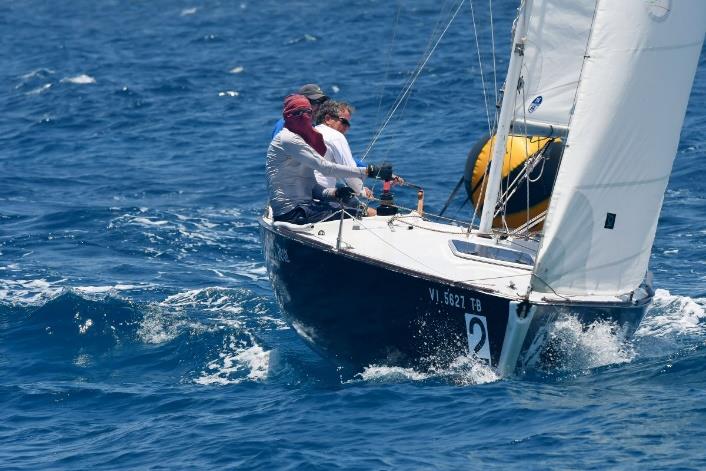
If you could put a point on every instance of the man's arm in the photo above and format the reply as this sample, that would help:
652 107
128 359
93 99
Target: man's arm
300 151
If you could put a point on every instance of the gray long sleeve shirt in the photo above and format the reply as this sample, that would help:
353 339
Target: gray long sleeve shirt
290 171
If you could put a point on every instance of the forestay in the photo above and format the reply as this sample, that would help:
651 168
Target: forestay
623 136
555 43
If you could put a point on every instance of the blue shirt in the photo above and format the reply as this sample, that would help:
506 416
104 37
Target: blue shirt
278 127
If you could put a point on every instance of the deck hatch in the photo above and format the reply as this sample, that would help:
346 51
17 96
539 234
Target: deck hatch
503 254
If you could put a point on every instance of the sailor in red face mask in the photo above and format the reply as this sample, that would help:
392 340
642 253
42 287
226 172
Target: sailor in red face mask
292 157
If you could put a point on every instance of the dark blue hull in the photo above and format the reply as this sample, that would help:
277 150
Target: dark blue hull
359 312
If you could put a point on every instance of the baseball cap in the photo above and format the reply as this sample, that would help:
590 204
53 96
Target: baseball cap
313 92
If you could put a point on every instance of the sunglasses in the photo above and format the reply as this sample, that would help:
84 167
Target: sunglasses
302 111
344 121
318 101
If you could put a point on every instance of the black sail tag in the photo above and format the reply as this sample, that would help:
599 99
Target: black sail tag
609 221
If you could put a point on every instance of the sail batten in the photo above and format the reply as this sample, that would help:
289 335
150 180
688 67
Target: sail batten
623 136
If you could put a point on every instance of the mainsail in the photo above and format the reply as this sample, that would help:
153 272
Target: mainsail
623 136
554 46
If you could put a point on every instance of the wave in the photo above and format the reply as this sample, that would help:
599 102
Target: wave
674 316
209 336
217 336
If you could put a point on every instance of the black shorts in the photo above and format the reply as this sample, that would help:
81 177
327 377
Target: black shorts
316 211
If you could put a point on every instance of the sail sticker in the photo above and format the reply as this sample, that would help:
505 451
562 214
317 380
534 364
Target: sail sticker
609 221
477 330
535 104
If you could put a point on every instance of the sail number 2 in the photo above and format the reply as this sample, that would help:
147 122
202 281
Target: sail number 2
454 300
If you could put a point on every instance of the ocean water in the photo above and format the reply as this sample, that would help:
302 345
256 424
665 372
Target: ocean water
138 329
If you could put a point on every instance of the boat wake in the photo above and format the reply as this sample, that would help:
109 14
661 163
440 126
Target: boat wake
568 346
462 371
673 324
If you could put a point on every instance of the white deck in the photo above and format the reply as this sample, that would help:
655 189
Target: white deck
421 246
411 243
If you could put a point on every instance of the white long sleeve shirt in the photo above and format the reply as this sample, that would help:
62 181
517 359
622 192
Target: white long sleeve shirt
290 171
340 153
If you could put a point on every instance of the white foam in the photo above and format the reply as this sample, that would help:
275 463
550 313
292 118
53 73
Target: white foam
575 347
156 327
193 231
188 298
83 328
82 79
39 90
231 93
384 374
29 292
148 222
243 364
189 11
37 72
108 288
237 70
466 371
463 371
83 360
673 316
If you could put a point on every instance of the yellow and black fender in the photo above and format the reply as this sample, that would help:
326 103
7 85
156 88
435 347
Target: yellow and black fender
518 150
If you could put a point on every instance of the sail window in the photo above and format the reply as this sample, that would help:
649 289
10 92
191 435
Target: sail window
494 252
609 221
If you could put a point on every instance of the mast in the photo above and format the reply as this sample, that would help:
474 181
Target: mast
504 121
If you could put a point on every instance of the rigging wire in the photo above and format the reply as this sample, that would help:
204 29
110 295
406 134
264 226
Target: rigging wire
484 89
492 42
408 88
491 130
388 60
480 67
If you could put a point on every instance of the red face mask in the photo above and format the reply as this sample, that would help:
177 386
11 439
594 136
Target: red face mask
300 122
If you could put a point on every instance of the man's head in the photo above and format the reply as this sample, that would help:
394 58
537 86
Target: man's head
297 112
336 115
314 94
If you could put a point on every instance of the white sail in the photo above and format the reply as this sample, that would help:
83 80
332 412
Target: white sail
623 137
555 43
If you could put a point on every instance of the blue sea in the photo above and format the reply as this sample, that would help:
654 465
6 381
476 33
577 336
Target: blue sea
138 328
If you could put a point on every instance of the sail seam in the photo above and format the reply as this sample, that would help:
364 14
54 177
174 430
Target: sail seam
650 49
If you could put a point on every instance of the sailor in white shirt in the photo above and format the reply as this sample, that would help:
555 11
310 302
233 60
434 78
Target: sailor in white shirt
333 121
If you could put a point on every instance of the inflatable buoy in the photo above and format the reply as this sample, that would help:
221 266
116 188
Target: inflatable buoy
519 149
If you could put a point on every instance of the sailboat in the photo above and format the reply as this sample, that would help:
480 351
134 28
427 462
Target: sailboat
611 81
